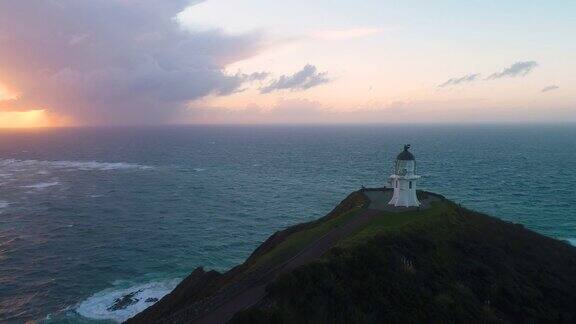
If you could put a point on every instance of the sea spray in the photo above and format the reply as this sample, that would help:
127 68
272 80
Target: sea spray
24 165
119 304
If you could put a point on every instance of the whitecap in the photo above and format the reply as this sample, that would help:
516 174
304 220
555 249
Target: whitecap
99 306
25 165
571 240
98 166
42 185
3 205
199 169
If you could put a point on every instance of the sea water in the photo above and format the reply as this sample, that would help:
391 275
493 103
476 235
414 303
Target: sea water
90 215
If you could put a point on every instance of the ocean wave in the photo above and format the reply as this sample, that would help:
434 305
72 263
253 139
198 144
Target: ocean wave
26 165
42 185
120 304
3 205
571 240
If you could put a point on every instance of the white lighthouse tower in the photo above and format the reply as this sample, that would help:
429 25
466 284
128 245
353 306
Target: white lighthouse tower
404 180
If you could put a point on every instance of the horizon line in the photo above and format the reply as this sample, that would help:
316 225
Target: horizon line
392 124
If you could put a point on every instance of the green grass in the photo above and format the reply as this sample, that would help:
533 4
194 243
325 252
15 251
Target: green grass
445 264
389 222
299 240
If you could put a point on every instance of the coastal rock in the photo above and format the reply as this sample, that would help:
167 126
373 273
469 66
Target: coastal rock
125 301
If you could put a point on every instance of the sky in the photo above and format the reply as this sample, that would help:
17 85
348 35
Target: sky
148 62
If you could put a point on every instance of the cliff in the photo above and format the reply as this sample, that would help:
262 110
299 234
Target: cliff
363 263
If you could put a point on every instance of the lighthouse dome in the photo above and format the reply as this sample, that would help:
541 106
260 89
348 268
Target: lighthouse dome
405 163
405 155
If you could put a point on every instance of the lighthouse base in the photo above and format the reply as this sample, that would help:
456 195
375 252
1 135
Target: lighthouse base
380 197
404 201
404 193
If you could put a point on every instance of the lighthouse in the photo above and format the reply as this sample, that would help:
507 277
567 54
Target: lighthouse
404 180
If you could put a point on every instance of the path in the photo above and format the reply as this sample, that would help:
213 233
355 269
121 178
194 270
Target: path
252 295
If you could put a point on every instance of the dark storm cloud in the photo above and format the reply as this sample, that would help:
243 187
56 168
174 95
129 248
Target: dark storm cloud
550 88
114 61
464 79
515 70
304 79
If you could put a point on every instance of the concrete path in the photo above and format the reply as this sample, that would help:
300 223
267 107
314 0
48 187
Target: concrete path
253 295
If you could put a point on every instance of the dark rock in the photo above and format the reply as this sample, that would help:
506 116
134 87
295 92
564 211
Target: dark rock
125 301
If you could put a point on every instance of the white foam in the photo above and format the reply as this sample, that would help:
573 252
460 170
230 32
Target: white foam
26 165
96 306
97 166
199 169
42 185
572 241
3 204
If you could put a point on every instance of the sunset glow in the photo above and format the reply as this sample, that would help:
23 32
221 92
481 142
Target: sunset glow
217 61
147 146
26 119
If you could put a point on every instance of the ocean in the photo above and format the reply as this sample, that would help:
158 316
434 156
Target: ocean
88 215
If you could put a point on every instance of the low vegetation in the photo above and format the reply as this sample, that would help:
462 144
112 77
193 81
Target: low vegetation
287 243
443 265
201 285
299 240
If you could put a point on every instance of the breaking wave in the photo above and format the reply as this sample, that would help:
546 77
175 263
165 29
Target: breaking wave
24 165
42 185
3 205
120 304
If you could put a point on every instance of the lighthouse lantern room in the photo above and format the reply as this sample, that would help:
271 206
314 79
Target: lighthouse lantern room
404 180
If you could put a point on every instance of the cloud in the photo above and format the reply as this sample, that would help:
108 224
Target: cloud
304 79
257 76
464 79
550 88
115 61
515 70
242 79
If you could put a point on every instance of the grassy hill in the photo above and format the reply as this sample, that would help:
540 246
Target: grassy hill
201 290
445 264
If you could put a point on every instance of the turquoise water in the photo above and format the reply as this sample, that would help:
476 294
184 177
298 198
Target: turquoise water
89 215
